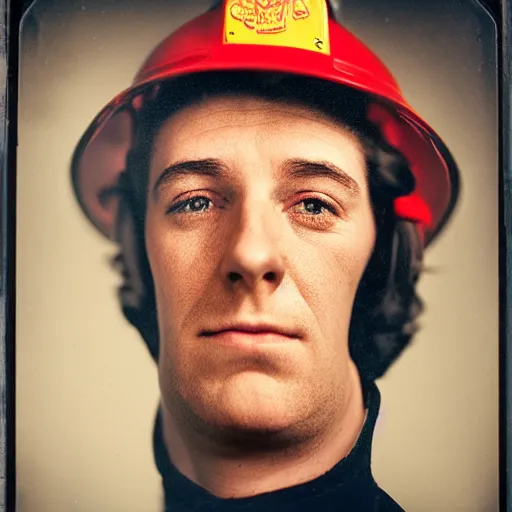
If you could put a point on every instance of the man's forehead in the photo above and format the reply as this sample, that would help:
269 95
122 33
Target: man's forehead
246 110
242 131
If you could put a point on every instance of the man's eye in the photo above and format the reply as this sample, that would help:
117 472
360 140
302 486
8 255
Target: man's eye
312 206
195 204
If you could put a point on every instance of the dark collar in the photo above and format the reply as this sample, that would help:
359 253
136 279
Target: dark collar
351 473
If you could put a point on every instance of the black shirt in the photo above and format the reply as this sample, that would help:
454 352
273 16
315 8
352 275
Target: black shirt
347 486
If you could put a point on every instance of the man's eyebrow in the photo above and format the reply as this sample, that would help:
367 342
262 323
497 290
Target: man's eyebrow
204 167
300 168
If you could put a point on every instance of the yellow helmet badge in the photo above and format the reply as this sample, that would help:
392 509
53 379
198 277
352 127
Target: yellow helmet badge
300 24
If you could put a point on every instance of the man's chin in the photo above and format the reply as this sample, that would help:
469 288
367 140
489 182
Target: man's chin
254 403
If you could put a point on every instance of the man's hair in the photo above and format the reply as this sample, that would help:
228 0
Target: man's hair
384 317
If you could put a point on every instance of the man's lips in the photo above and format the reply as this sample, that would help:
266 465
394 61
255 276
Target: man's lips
250 334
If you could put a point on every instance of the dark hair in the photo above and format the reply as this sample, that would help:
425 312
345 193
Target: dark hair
386 307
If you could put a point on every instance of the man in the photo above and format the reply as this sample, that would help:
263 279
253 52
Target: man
271 193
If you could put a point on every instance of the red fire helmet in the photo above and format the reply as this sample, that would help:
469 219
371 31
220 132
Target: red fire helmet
300 37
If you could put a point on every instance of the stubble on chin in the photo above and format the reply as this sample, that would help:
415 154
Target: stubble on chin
251 413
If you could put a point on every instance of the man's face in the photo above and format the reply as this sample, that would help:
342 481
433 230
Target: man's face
259 227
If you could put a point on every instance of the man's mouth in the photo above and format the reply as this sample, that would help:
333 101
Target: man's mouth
251 333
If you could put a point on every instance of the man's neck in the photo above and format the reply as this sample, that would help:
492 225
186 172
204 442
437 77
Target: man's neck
241 476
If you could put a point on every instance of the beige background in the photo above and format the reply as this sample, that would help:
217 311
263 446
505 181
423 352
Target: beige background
86 387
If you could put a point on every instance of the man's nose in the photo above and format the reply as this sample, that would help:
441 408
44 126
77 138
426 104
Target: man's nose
253 256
